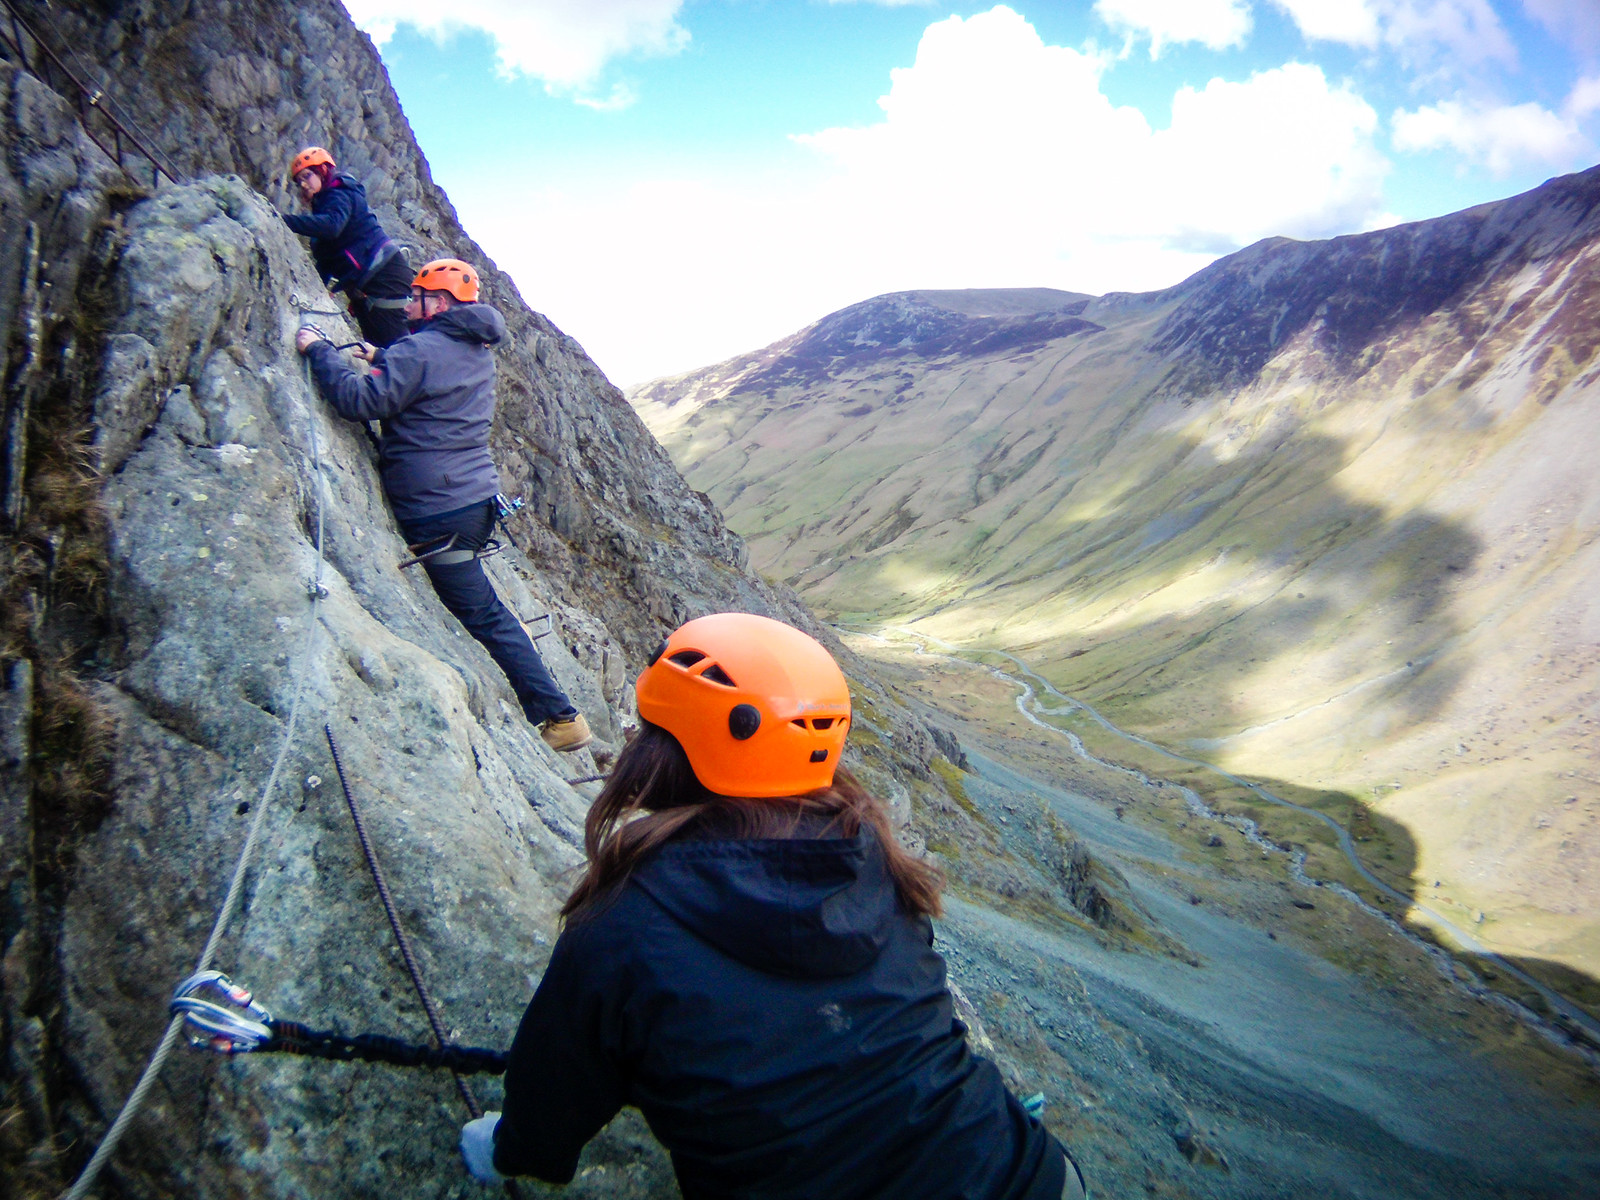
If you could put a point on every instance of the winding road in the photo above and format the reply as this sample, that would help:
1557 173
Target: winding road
1574 1018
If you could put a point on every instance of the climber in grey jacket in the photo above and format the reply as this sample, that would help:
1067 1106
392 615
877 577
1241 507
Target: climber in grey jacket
433 390
433 393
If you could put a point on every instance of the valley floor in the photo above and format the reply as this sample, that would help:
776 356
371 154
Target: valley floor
1286 1051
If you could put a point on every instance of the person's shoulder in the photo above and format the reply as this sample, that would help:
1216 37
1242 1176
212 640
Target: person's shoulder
626 923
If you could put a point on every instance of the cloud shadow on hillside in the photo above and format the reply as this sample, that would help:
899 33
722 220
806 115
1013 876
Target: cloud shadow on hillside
1343 576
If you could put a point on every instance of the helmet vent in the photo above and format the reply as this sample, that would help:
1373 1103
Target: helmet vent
819 756
717 675
816 722
686 658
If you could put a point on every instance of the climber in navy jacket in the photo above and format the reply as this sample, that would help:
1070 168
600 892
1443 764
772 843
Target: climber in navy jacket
433 393
350 248
748 959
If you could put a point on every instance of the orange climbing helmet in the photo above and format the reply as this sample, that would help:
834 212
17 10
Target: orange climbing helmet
311 156
449 275
760 708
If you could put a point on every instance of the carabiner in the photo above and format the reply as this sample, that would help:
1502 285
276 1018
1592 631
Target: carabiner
231 1023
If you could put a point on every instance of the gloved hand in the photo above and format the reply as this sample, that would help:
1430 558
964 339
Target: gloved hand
477 1148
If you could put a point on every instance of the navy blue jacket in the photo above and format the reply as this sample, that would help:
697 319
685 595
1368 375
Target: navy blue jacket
346 239
784 1027
433 392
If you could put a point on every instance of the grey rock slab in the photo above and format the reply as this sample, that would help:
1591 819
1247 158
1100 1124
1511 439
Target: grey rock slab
212 548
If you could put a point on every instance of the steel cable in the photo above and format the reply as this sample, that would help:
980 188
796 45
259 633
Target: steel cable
230 904
400 937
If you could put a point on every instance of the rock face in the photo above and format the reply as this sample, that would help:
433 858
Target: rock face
198 564
174 495
1322 513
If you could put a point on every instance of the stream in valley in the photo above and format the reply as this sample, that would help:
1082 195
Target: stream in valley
1569 1022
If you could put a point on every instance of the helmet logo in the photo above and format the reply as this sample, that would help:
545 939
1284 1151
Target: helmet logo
743 721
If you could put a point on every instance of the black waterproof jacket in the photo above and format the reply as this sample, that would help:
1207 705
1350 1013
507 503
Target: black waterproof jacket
783 1026
346 239
433 391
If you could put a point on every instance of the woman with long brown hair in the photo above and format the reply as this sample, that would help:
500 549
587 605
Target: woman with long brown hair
748 959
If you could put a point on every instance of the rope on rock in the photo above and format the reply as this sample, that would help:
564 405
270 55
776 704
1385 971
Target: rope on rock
394 919
400 937
316 593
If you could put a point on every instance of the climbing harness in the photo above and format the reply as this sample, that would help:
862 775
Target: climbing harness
441 551
394 302
221 1016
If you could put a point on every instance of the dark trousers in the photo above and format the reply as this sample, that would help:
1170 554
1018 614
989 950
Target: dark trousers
467 593
383 324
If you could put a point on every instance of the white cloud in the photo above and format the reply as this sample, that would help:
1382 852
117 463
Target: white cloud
1584 98
1215 24
1468 30
1448 32
1280 153
1352 22
999 162
991 122
1499 137
1575 21
566 43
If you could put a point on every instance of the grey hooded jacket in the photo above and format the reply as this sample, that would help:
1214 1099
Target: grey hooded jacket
433 392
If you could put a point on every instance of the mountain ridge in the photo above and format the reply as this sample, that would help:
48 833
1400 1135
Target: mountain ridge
1321 508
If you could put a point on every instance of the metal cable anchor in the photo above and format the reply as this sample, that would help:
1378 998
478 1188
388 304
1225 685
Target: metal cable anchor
220 1015
310 310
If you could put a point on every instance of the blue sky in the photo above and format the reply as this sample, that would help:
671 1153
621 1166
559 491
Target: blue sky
677 181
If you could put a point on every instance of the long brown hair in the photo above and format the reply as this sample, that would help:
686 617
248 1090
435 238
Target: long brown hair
652 796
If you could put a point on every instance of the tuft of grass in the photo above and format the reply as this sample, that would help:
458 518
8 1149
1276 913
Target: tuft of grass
955 787
54 615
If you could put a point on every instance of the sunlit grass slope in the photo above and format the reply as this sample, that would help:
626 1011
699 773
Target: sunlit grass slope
1325 513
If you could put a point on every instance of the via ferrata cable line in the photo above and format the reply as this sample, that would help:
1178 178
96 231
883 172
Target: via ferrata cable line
87 98
387 900
428 1007
316 592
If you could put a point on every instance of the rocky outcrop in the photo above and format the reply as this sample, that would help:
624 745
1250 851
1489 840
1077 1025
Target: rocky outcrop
1355 293
198 556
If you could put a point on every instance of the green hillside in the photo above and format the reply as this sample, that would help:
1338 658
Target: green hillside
1324 514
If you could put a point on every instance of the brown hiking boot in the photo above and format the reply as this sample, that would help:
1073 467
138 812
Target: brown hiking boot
565 734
